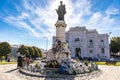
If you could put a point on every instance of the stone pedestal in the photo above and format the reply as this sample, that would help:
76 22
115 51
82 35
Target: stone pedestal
60 49
60 44
60 30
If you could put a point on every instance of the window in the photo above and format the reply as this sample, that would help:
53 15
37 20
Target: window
91 43
102 42
77 39
78 42
91 51
102 50
67 41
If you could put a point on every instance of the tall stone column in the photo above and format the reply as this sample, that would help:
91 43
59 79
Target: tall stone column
60 49
60 30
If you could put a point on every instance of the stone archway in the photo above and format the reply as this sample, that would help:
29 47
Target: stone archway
78 52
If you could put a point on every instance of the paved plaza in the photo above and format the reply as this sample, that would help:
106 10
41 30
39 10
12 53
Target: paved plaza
109 73
9 72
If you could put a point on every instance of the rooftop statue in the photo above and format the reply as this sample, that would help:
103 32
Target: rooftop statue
61 11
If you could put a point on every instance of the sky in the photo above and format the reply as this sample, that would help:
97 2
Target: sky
32 22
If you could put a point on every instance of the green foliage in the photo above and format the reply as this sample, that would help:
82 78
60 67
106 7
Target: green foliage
53 64
86 63
118 64
28 50
5 48
37 65
37 52
31 51
23 50
104 63
2 63
115 44
101 63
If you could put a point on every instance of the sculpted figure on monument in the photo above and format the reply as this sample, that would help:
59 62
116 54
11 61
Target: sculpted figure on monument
61 11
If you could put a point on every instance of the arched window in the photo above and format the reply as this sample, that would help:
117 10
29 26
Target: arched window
77 39
102 50
91 43
102 42
78 42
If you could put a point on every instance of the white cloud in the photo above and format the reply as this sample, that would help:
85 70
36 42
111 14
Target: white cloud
19 23
41 19
112 10
103 21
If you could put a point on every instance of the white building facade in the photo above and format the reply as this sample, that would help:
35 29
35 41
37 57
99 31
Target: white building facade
14 50
87 43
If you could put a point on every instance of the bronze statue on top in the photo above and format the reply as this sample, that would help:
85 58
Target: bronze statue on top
61 11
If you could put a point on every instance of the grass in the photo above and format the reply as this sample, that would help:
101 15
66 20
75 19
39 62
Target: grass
104 63
101 63
3 62
118 64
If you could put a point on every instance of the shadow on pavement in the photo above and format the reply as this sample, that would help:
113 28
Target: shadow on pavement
11 70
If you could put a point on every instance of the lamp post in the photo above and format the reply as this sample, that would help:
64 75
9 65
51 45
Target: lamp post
110 43
46 45
109 36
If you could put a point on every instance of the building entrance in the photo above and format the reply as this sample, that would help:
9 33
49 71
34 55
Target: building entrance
78 52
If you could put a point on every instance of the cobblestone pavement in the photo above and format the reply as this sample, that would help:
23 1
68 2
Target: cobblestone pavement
8 72
109 73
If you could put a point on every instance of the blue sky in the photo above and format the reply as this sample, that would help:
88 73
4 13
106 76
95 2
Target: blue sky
29 21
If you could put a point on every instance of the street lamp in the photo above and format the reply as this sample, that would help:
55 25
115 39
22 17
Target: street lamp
109 36
110 43
46 45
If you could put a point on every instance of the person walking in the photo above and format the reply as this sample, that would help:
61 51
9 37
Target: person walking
19 62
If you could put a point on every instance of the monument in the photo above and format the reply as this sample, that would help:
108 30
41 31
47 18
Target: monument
61 11
59 65
60 49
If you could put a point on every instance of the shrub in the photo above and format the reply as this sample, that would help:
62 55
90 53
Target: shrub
86 63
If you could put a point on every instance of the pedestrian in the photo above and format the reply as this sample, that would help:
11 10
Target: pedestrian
27 61
19 62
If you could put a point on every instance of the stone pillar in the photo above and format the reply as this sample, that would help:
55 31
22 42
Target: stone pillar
60 30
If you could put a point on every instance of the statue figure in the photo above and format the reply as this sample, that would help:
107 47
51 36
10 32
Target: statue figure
61 11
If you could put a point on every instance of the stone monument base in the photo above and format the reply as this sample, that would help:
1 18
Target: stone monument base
59 52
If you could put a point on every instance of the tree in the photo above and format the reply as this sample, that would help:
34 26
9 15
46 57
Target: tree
23 50
34 52
31 51
115 45
40 53
5 49
37 52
